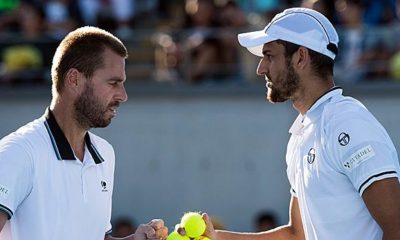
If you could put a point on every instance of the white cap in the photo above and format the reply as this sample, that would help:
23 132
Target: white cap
301 26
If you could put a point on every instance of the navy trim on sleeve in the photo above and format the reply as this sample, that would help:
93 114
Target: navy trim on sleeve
6 210
109 232
372 177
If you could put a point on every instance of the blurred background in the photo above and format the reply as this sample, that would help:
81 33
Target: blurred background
196 133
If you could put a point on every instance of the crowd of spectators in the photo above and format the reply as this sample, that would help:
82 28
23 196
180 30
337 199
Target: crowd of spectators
194 41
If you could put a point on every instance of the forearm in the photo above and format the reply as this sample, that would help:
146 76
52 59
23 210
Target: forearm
393 234
280 233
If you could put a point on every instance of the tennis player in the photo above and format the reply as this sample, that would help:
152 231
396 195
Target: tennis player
342 166
56 177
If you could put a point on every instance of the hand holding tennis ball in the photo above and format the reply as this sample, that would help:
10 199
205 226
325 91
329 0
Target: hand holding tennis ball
193 224
191 227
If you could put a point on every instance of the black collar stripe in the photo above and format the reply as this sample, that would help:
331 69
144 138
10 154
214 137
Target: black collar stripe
61 146
53 141
62 143
93 151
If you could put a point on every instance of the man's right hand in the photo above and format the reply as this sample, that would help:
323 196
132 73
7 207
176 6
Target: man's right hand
154 230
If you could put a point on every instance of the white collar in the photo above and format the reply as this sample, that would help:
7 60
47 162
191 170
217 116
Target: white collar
312 114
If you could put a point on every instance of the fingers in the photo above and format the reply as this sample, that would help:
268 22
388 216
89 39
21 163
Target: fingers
208 222
161 231
154 230
156 223
210 232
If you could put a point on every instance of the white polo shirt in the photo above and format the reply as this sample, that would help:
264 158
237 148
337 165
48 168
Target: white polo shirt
336 150
46 192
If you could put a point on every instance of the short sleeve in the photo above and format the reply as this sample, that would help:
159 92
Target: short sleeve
16 172
361 149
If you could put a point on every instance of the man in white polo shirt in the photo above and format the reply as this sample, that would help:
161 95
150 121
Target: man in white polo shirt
342 166
56 177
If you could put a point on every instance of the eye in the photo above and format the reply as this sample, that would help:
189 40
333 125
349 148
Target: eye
114 83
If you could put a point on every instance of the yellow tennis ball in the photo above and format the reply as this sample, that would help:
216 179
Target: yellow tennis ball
202 238
176 236
193 224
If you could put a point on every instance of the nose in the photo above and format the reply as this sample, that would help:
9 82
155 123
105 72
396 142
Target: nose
122 95
262 67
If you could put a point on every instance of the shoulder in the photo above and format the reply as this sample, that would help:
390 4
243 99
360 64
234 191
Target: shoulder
26 138
22 146
344 107
347 112
346 118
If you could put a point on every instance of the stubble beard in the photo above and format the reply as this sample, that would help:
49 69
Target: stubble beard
89 113
284 87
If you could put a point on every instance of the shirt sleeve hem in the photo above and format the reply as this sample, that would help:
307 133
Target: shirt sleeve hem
376 177
108 232
293 192
7 211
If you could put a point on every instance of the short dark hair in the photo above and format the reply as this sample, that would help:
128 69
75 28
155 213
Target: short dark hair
321 64
83 49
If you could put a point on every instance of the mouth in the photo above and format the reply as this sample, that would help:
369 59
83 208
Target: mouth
113 110
268 82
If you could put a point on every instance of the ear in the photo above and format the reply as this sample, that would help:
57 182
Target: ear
302 58
73 79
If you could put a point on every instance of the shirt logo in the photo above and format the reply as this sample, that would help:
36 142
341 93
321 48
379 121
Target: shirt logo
344 139
4 192
359 157
104 186
311 156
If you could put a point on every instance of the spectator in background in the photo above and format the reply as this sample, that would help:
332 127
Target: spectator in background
326 7
192 55
200 47
123 12
205 50
26 49
232 20
264 221
62 16
7 14
382 12
380 46
349 68
112 15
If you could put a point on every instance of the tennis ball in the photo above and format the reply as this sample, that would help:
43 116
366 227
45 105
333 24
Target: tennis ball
193 224
176 236
202 238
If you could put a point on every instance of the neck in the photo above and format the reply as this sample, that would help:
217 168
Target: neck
306 96
75 134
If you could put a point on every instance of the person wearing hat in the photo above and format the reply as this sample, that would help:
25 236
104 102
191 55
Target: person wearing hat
342 166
